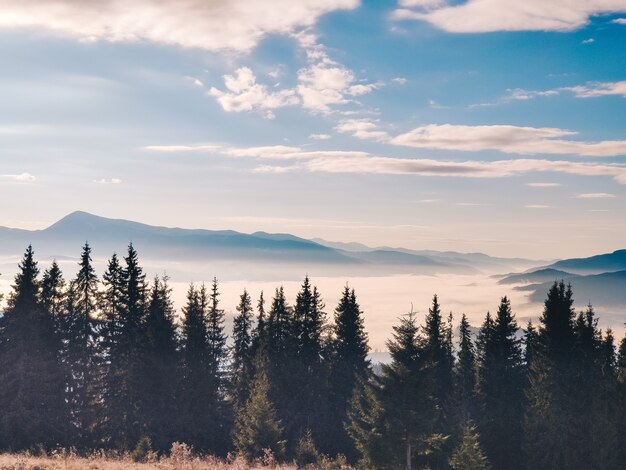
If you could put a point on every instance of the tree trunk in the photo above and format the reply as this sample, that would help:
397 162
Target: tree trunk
408 455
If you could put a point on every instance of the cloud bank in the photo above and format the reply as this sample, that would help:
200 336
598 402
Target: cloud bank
214 25
484 16
292 159
503 138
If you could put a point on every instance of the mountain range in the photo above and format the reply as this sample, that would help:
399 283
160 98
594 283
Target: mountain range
64 239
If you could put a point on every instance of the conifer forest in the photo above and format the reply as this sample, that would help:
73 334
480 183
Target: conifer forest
105 361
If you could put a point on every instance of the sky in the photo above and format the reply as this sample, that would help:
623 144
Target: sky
483 125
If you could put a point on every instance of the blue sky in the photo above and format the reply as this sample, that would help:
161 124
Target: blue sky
494 126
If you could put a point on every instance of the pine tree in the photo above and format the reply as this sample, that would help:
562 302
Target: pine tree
620 415
500 388
217 357
196 381
31 376
468 455
439 362
349 366
53 295
281 352
550 433
161 373
311 377
241 368
465 373
393 418
125 342
109 377
258 335
257 427
80 347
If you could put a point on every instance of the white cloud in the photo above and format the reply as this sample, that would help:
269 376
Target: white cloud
588 41
320 136
108 181
236 25
589 90
537 206
245 94
595 89
508 139
21 177
481 16
323 83
595 196
543 185
362 129
421 3
399 80
182 148
338 161
619 21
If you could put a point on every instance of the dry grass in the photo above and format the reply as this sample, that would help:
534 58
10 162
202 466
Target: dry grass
181 458
95 462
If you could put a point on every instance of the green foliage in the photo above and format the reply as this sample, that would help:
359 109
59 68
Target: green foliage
348 366
500 388
143 450
93 364
468 454
306 453
32 380
257 427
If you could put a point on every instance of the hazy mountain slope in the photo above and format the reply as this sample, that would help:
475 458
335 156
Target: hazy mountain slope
605 288
538 276
597 264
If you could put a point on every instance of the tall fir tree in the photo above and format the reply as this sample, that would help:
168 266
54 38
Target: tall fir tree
349 367
125 341
257 427
311 375
241 365
221 415
161 371
500 388
31 376
53 291
281 356
196 381
549 427
80 348
393 418
465 374
439 361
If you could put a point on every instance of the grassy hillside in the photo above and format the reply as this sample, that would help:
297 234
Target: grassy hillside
181 458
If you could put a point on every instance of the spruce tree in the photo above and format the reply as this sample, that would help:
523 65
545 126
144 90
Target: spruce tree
217 357
241 367
349 366
311 377
500 388
80 348
393 418
439 362
257 426
281 355
125 342
31 376
550 433
109 377
465 373
53 294
196 380
468 455
161 372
